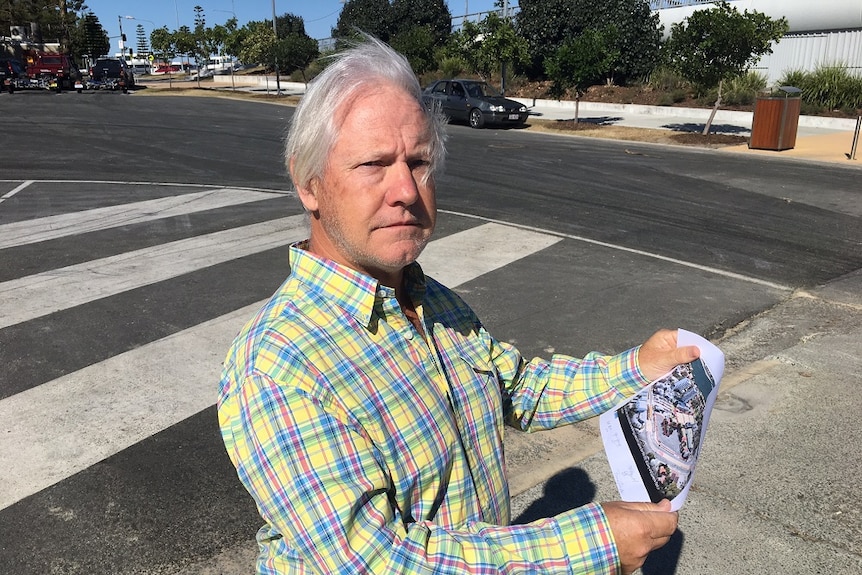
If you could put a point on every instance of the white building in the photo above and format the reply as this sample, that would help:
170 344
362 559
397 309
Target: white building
825 33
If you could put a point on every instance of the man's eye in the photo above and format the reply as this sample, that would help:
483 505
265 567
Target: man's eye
419 164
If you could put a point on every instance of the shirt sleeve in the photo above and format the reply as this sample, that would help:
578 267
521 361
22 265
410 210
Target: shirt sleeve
542 394
322 488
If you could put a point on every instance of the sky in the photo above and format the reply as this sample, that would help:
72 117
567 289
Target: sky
320 16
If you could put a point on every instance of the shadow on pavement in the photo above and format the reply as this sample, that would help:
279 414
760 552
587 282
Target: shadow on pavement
714 129
564 491
572 488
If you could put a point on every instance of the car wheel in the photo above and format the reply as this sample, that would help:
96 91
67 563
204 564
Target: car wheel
477 120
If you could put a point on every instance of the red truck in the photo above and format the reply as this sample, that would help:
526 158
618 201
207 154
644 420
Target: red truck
54 71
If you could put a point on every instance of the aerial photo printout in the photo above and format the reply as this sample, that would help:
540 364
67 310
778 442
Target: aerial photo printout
653 439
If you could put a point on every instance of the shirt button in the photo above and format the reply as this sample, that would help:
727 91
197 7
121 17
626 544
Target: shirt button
408 334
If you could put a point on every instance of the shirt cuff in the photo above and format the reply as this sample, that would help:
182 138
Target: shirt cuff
624 374
588 540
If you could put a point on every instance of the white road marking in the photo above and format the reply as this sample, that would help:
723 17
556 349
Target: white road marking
679 262
40 294
14 191
59 428
61 225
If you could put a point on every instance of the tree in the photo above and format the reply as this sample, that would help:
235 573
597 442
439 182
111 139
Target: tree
143 46
545 25
200 41
258 43
433 15
488 44
713 46
579 62
88 38
371 16
548 24
417 44
184 41
295 49
296 52
164 47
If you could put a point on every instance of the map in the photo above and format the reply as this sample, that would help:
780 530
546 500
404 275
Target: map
653 439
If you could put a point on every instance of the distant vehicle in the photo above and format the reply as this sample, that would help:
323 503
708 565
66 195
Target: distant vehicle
168 69
111 74
219 65
54 71
474 102
12 74
140 69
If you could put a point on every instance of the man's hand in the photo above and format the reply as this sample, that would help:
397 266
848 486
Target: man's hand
659 354
639 528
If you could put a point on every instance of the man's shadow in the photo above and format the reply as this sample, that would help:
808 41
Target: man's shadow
573 488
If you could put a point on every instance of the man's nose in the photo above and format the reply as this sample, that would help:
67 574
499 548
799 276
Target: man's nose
402 186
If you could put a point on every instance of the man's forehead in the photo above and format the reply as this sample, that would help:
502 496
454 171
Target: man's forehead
372 112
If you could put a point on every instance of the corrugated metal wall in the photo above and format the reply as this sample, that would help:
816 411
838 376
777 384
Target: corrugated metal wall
810 50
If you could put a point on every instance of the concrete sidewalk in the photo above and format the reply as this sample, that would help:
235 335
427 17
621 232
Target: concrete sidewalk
818 138
778 483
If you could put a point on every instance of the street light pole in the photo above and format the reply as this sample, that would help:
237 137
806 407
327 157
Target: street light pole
122 38
153 24
275 32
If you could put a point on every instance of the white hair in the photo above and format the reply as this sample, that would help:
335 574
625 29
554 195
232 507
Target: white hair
314 128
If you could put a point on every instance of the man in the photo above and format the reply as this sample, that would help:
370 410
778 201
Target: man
364 405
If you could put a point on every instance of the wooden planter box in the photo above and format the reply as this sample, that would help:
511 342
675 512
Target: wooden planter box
774 124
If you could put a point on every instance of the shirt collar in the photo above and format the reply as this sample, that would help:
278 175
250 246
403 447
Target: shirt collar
347 288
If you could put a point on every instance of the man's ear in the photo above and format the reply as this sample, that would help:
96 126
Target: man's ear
307 194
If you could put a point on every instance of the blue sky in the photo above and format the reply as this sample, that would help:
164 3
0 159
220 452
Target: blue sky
319 16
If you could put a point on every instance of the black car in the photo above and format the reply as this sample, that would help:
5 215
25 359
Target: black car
110 74
474 102
12 72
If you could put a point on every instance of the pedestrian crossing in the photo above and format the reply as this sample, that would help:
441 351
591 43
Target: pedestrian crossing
109 356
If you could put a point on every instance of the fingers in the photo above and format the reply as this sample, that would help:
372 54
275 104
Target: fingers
639 528
659 354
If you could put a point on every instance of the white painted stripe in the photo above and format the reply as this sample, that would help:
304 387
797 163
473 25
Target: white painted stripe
61 225
33 296
679 262
460 257
52 431
14 191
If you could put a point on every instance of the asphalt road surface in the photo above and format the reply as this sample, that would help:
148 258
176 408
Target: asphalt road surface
138 233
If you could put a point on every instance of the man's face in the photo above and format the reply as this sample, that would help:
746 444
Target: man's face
371 210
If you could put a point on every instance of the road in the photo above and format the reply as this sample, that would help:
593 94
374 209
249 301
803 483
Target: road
138 233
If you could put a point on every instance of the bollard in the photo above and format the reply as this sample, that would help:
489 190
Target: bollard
852 154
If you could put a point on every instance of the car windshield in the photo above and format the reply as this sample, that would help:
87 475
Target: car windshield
108 65
480 90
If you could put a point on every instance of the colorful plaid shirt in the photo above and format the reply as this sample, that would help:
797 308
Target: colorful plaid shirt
369 448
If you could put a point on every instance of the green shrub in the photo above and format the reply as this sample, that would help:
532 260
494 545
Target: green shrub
663 79
827 87
742 90
452 66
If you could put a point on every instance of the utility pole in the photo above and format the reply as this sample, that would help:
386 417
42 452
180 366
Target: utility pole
503 64
122 39
275 54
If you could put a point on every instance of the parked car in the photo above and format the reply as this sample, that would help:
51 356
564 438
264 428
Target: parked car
111 74
12 73
167 69
54 71
474 102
